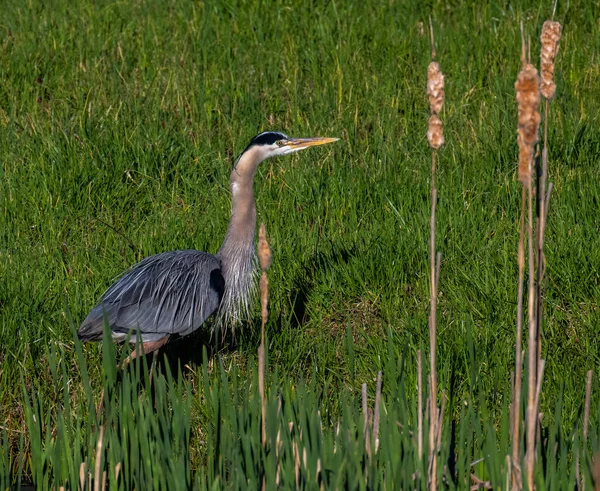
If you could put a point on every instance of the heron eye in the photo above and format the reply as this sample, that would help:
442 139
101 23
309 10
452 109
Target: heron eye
279 143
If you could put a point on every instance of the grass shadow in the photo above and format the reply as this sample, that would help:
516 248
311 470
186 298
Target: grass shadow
305 280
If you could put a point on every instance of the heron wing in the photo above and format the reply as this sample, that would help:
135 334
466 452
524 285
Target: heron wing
169 293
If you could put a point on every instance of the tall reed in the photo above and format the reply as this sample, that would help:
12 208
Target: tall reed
264 257
550 38
435 136
529 88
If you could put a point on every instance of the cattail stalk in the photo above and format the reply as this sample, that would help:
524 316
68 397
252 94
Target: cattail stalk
432 342
435 136
532 348
550 38
264 257
586 410
527 89
419 405
516 405
528 98
98 459
365 410
586 422
82 473
376 415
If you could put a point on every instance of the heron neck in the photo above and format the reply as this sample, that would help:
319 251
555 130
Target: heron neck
242 225
237 255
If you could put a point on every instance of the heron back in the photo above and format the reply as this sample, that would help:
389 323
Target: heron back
164 294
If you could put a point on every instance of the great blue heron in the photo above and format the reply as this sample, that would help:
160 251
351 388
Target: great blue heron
173 293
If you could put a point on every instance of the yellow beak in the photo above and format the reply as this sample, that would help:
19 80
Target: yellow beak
302 143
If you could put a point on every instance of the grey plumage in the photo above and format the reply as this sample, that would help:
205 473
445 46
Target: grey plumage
239 266
174 293
165 294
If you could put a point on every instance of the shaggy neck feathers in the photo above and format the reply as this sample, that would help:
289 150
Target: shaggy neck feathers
237 254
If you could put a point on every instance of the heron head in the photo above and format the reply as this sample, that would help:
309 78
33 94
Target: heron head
273 143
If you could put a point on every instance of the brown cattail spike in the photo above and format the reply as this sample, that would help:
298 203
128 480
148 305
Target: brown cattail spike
435 87
550 38
528 98
264 298
264 251
435 133
264 257
435 91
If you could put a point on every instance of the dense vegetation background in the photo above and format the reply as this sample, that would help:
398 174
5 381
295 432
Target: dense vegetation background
119 124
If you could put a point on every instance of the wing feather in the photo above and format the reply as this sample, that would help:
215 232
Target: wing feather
169 293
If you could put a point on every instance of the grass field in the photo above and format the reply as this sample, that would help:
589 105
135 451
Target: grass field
119 124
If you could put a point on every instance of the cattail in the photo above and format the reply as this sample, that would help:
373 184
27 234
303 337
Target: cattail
550 38
435 91
528 98
435 136
435 87
264 257
264 251
435 133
